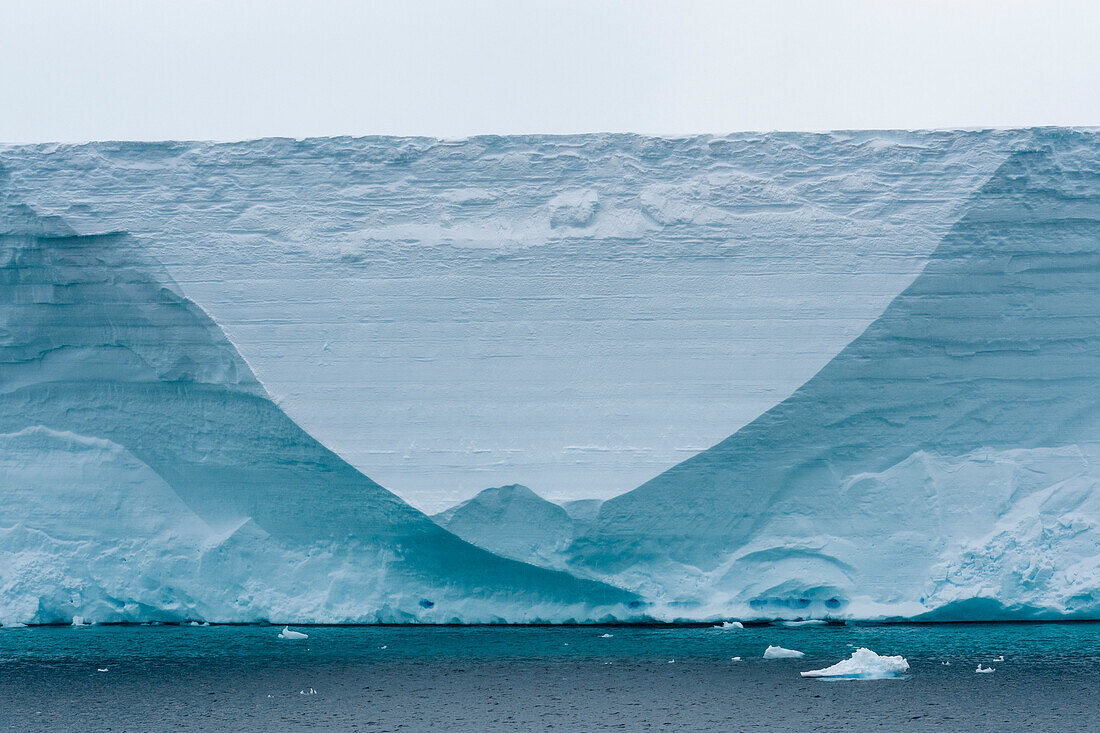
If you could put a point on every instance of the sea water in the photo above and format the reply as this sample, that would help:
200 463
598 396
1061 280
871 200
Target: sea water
544 678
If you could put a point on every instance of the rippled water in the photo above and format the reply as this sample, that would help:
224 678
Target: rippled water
555 678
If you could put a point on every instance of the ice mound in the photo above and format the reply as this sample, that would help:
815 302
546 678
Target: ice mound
863 665
984 670
286 633
730 625
778 652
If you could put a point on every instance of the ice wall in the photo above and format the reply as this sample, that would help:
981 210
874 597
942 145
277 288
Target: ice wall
945 461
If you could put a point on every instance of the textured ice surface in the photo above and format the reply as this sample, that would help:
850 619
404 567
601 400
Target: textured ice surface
778 652
514 522
944 463
576 314
864 664
145 473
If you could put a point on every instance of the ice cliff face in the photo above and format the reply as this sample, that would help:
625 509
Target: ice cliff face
145 473
944 463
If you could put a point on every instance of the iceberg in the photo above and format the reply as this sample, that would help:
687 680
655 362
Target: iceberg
147 475
778 652
864 664
944 465
286 633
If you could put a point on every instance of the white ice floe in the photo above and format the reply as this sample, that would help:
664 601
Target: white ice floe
606 636
310 691
735 659
807 622
101 669
286 633
946 664
1000 658
778 652
79 621
864 664
730 625
984 670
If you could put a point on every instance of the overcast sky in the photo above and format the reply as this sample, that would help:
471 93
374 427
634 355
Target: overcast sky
74 70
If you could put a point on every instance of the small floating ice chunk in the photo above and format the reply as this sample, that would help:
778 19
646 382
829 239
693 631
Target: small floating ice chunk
286 633
984 670
946 664
731 625
310 691
807 622
14 625
778 652
735 659
101 669
606 636
79 621
1000 658
864 664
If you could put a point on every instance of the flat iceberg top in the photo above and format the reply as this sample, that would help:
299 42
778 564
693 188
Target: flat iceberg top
864 664
778 652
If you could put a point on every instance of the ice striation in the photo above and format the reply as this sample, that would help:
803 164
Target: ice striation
145 474
944 465
575 313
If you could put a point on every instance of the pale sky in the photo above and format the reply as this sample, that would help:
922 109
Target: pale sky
74 71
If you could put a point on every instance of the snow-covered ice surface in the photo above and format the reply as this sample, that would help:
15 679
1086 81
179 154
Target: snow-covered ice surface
944 465
146 475
864 664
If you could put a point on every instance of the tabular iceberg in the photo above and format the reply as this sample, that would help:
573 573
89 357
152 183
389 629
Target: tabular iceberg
145 473
943 465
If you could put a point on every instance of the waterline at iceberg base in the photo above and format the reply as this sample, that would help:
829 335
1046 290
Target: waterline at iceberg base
942 466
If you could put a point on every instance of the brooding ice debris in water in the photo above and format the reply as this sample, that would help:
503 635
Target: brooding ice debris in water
778 652
864 664
945 464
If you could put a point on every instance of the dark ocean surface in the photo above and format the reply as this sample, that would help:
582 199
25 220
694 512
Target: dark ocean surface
244 678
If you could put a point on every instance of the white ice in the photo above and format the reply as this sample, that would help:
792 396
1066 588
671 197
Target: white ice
778 652
864 664
286 633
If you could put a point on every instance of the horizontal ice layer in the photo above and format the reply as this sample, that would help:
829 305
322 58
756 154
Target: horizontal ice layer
145 473
944 463
573 313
